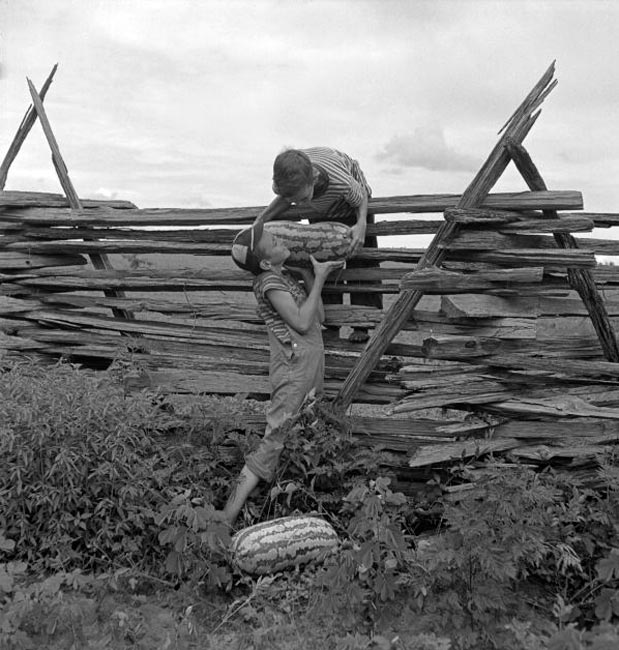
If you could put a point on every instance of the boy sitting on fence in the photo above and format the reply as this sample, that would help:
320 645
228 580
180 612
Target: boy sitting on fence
293 313
330 184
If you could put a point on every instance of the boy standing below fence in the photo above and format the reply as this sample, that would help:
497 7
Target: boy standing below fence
331 184
293 313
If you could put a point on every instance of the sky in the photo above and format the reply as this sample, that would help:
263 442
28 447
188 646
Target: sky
185 103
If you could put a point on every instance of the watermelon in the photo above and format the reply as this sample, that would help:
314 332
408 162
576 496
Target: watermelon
326 241
282 544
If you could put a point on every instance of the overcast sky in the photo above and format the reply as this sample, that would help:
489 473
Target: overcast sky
185 103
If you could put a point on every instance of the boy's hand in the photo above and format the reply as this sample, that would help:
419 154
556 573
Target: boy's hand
303 272
322 269
299 270
357 237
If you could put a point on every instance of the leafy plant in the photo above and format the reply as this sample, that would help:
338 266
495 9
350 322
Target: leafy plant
197 538
519 529
494 537
366 572
86 468
29 609
320 462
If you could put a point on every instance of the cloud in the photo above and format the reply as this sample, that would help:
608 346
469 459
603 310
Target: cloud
106 194
427 148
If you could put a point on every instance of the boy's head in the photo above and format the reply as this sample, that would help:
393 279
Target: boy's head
292 173
255 249
245 250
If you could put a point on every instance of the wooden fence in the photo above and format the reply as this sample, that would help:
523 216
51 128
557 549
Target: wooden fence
501 331
504 326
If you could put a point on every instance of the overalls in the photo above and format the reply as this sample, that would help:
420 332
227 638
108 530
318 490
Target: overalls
295 368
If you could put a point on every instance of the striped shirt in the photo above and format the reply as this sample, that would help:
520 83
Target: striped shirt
347 183
284 282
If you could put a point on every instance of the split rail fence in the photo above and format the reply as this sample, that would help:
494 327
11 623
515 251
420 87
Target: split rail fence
499 337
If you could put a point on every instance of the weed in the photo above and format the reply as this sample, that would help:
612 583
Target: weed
87 470
197 539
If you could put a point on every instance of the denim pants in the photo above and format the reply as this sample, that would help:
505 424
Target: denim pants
295 368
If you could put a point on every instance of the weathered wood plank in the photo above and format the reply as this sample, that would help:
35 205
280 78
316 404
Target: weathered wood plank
572 322
402 430
10 342
460 347
481 306
166 280
131 246
371 275
108 280
558 407
22 132
423 368
14 260
440 281
10 226
529 257
21 199
561 225
238 311
198 234
456 451
605 274
564 367
500 328
600 219
436 399
422 203
483 216
10 305
572 306
396 434
511 399
545 454
219 383
489 240
469 382
507 221
569 327
219 336
547 344
559 429
479 240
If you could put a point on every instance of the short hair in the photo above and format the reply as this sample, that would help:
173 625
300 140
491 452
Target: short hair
292 171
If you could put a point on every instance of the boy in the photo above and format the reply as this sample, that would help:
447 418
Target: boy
332 185
293 315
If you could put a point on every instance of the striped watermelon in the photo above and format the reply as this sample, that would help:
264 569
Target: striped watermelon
282 544
328 240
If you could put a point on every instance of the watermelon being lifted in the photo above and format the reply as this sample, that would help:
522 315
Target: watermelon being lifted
282 544
326 241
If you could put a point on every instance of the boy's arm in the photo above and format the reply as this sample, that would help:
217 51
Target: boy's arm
308 280
358 230
278 206
300 318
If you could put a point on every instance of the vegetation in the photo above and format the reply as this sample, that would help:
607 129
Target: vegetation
110 535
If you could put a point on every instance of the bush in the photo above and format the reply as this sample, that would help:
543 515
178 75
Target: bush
321 462
522 532
97 480
87 469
